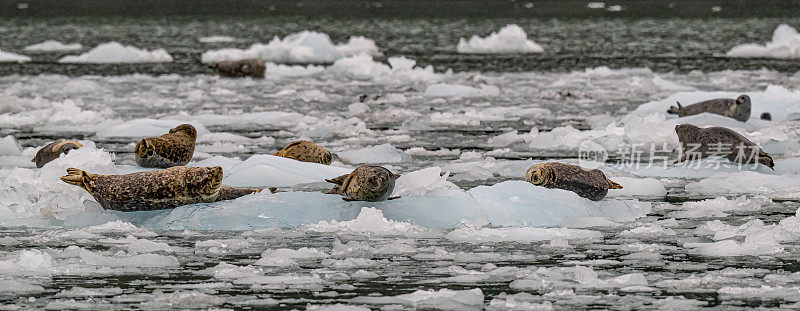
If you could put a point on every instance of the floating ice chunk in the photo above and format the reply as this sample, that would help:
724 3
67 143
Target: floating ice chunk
647 231
31 261
272 171
447 90
399 70
568 137
472 234
358 67
785 44
265 119
757 243
385 153
146 128
588 222
370 221
596 5
520 301
421 182
53 45
615 8
17 287
510 39
181 299
292 70
147 246
9 146
8 57
142 260
114 52
742 204
638 187
61 115
443 299
302 47
773 186
336 307
216 39
32 193
333 127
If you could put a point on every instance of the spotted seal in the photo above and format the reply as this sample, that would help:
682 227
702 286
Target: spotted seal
365 183
240 68
150 190
54 150
172 149
702 142
590 184
305 151
738 108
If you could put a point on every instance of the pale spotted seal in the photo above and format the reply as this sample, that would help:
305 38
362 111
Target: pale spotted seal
365 183
172 149
703 142
240 68
305 151
54 150
590 184
738 108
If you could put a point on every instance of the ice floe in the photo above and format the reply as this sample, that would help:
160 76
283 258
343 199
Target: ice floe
445 90
785 44
8 57
510 39
216 39
384 153
115 52
53 45
302 47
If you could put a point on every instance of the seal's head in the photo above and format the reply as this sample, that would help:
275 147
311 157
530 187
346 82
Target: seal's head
204 181
187 129
144 149
742 108
686 132
541 174
54 150
766 116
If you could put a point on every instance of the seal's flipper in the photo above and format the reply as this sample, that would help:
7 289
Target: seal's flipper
613 185
76 177
338 180
675 110
393 198
349 199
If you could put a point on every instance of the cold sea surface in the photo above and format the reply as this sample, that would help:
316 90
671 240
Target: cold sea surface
468 232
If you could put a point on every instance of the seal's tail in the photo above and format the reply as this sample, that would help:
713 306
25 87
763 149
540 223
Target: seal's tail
75 177
613 185
674 109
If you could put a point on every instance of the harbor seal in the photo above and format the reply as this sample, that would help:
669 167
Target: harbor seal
54 150
150 190
738 108
766 116
365 183
590 184
172 149
305 151
702 142
254 67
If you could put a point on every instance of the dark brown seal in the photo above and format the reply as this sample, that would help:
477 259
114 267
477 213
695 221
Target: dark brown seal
703 142
240 68
54 150
590 184
365 183
172 149
305 151
766 116
738 108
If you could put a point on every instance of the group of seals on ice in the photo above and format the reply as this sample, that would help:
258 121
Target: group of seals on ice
175 185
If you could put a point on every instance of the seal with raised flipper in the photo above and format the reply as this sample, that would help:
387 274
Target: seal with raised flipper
703 142
365 183
240 68
150 190
172 149
54 150
590 184
305 151
738 108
